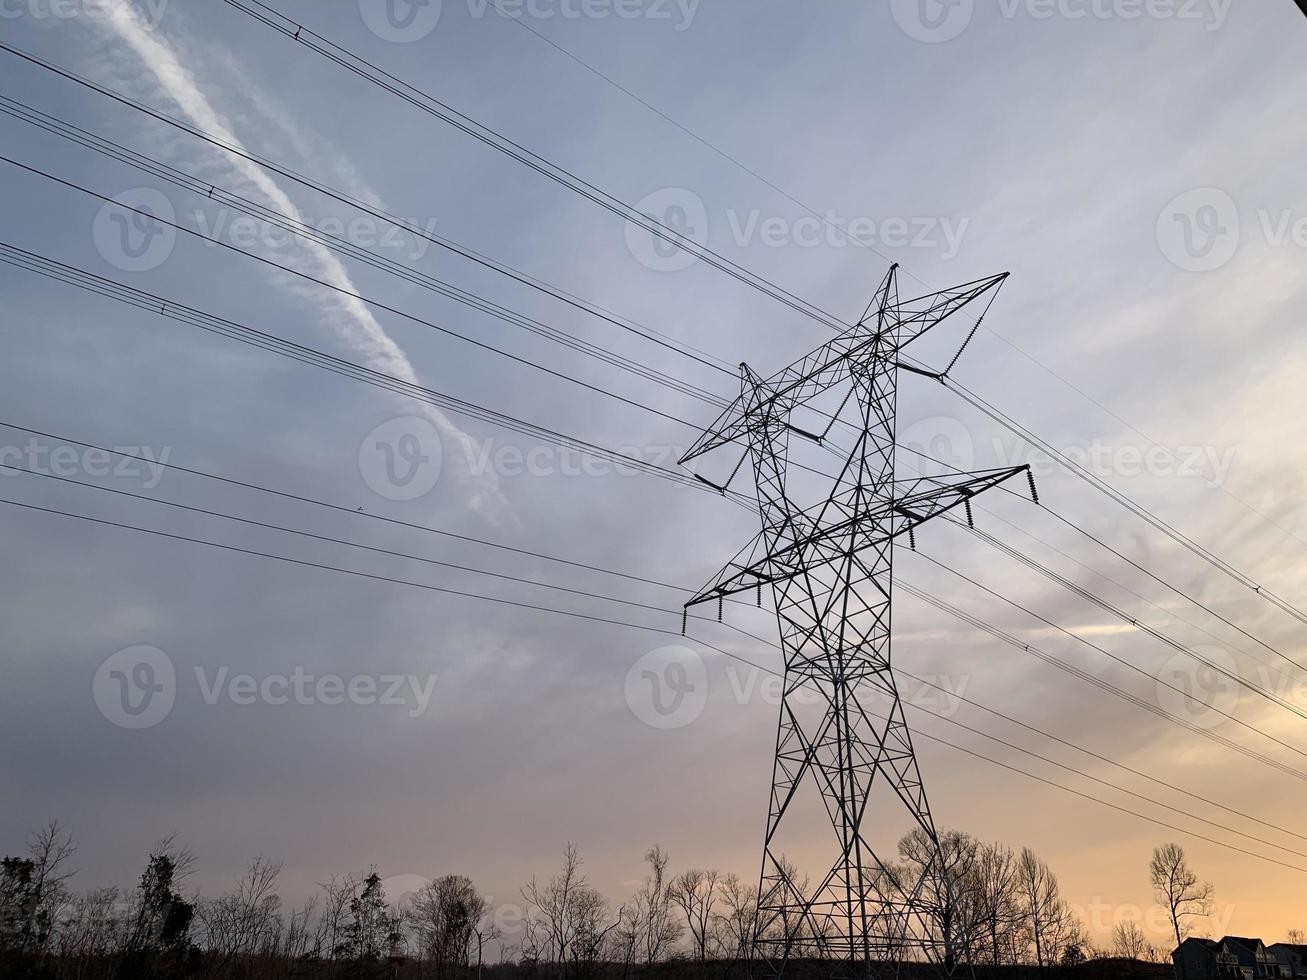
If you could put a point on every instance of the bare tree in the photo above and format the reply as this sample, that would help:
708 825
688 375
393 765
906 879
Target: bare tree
998 910
786 925
1297 936
245 922
1050 927
567 919
485 931
446 914
695 893
299 939
648 926
1179 890
653 903
941 871
93 929
337 893
1129 941
734 926
49 850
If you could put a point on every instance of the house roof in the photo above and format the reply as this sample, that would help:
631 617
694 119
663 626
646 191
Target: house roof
1246 942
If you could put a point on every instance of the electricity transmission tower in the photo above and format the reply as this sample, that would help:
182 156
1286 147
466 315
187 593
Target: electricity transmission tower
830 571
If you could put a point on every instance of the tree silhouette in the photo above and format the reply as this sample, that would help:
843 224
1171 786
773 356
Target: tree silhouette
1179 890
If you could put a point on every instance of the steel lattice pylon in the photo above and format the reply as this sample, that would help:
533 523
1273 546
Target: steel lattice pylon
830 570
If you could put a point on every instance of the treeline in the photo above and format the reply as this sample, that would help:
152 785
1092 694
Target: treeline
988 906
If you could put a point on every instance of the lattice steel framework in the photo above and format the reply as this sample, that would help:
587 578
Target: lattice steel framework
830 571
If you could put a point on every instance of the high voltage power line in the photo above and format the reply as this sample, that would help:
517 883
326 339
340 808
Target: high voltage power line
195 317
189 315
1128 560
299 228
369 301
1100 757
1120 498
220 195
912 590
322 566
456 248
854 240
109 288
321 359
1102 685
434 107
1125 617
378 304
1120 660
372 73
348 60
647 333
266 525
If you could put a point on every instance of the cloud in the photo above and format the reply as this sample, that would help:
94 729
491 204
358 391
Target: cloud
353 323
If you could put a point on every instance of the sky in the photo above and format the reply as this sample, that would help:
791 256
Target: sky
1134 166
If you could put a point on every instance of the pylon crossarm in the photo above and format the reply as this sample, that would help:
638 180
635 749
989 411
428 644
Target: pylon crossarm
924 499
915 317
895 326
882 337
